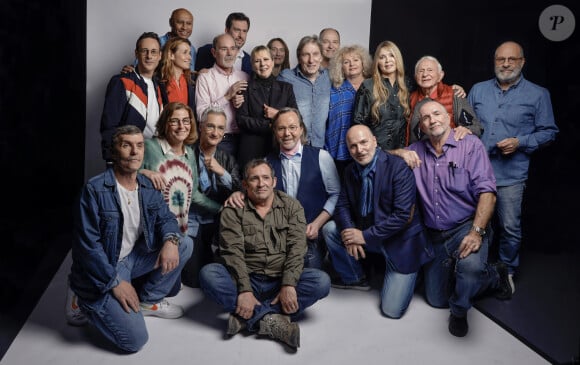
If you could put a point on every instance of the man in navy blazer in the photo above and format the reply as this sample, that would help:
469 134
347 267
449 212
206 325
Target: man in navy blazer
377 212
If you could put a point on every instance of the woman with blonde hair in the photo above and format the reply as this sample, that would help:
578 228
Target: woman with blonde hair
382 101
348 69
175 77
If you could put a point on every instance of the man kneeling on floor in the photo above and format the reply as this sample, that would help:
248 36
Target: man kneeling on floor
260 279
124 230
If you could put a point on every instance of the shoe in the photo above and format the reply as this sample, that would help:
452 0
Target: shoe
512 285
235 325
458 325
362 284
504 290
163 309
73 314
279 327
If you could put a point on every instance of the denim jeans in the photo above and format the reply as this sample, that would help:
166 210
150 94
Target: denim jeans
398 288
509 214
217 283
453 282
315 253
127 330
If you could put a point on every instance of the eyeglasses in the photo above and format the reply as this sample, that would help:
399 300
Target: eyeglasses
152 52
292 129
511 60
212 127
174 121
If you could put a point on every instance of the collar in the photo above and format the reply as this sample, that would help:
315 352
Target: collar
166 147
221 71
297 153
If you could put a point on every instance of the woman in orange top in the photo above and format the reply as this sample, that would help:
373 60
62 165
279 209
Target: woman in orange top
175 77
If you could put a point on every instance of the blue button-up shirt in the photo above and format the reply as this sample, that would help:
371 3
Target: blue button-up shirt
313 100
450 184
339 120
523 111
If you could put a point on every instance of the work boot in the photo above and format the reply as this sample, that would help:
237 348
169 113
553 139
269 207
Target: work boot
279 327
235 325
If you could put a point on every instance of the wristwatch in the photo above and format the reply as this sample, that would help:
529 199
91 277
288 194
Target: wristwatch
174 239
479 230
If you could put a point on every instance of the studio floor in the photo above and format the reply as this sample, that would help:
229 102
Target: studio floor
344 328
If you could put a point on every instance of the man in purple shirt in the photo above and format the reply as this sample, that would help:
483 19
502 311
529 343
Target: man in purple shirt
456 184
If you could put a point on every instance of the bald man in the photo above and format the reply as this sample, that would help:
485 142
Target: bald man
518 120
376 212
456 185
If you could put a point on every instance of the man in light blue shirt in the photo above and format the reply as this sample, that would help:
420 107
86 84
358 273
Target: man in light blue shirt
307 174
311 85
517 118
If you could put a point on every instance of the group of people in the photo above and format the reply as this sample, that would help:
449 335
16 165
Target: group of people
235 173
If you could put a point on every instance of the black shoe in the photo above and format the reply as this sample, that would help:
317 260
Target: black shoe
458 325
362 284
504 289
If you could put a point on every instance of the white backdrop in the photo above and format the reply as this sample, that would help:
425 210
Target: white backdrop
113 26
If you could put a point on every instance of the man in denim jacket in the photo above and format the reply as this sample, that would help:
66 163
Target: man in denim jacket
123 230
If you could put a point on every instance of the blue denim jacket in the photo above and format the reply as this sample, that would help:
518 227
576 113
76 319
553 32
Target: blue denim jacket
98 232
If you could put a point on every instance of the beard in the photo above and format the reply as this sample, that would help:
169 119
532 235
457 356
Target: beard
508 77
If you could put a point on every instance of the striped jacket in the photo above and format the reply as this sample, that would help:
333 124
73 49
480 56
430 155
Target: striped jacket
125 103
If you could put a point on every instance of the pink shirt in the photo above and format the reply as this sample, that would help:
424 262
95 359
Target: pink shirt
210 89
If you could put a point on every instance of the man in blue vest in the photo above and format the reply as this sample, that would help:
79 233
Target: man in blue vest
308 174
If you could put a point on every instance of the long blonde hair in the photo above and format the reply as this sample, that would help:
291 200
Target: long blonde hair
380 92
166 65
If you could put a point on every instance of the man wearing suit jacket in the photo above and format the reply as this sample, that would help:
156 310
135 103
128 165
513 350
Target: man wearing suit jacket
376 212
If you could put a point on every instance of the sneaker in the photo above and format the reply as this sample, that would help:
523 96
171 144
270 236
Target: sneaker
458 325
73 314
235 325
163 309
362 284
279 327
504 290
512 285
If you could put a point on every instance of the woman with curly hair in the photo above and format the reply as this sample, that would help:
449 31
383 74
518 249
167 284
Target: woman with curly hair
348 69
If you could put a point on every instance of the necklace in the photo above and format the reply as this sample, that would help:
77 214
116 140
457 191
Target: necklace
130 196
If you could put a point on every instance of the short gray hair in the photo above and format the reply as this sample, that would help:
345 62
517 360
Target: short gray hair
212 109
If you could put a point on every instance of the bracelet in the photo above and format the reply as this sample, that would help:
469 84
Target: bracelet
174 240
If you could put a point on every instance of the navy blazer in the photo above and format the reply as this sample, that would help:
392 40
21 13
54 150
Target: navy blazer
397 224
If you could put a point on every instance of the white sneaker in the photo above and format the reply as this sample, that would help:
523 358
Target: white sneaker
511 280
163 309
72 312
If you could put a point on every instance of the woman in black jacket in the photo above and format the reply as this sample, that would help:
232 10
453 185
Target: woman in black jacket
262 99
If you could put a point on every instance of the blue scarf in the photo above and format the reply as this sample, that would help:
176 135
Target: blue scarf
366 175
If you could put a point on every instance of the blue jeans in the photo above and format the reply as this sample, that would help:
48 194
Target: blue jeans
398 288
453 282
315 253
127 330
509 215
217 283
